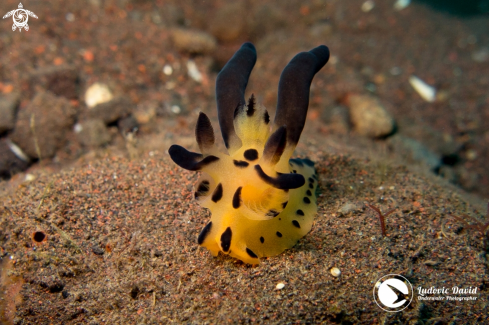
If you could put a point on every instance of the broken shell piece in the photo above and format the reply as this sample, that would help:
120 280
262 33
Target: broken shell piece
426 91
29 177
17 151
335 272
193 71
401 4
167 69
368 5
280 286
98 93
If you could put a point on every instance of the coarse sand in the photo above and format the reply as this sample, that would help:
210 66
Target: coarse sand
119 247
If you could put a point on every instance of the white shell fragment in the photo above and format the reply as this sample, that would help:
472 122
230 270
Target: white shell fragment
280 286
98 93
193 72
401 4
167 69
335 272
17 151
78 128
368 5
426 91
176 109
29 177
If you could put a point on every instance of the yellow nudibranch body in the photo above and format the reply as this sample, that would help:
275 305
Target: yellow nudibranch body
262 202
250 218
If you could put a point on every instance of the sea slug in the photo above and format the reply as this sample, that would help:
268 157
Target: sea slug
262 202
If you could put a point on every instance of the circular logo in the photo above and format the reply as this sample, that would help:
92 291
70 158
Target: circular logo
393 292
20 18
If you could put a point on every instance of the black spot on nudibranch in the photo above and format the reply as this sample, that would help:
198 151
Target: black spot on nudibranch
251 253
272 213
262 240
306 200
279 234
217 195
251 106
284 204
311 186
251 154
308 162
226 239
300 212
237 198
296 223
241 163
311 179
203 234
297 161
266 117
309 192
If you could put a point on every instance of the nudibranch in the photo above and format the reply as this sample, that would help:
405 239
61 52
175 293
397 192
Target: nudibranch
262 202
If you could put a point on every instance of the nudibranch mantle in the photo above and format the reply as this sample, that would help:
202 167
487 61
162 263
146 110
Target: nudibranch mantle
262 202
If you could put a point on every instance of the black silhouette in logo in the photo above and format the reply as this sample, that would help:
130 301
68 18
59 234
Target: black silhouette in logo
400 296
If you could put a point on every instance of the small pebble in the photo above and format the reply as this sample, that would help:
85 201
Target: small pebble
280 286
97 250
92 133
8 111
401 4
481 55
335 272
78 128
70 17
97 93
176 109
193 41
395 71
368 5
347 208
471 154
369 117
167 69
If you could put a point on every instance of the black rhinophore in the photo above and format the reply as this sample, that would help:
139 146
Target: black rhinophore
293 91
230 89
292 105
